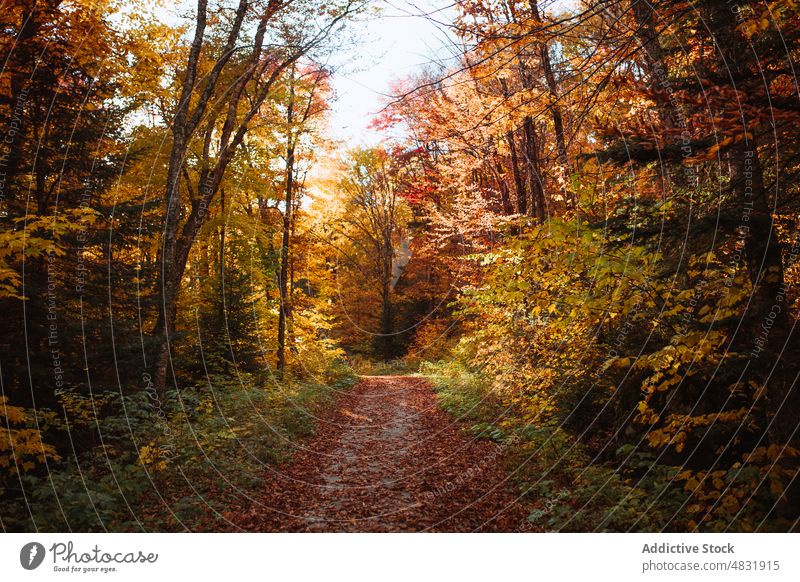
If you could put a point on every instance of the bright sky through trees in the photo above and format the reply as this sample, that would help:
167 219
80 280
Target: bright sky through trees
404 36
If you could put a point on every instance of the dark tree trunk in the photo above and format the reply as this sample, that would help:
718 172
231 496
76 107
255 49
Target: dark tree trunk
283 278
505 199
555 109
519 187
767 312
386 316
170 273
222 257
648 37
537 205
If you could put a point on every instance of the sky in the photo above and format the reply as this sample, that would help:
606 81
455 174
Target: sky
396 39
403 37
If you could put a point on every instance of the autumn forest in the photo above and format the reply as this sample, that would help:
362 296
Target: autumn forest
558 294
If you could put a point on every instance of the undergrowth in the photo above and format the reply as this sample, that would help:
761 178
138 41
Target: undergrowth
167 466
567 487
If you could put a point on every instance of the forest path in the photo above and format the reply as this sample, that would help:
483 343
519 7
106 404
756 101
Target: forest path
386 458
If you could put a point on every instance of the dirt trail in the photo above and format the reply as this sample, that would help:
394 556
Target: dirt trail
387 458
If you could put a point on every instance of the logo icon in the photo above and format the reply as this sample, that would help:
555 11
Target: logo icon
31 555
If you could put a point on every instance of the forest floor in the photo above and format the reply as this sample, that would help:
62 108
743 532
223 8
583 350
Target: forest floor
386 458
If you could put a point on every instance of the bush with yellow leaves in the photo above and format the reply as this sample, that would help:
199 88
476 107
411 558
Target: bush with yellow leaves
21 445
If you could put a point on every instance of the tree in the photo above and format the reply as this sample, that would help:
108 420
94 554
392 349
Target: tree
60 149
305 103
367 229
216 115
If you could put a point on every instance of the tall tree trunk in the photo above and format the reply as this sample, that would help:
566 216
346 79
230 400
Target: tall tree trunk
171 273
222 257
555 110
652 62
497 172
283 277
648 37
767 309
652 59
537 205
519 187
298 186
177 242
30 374
531 152
169 278
386 313
766 317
